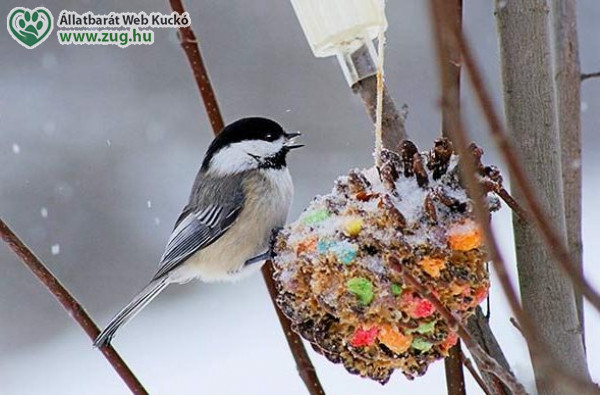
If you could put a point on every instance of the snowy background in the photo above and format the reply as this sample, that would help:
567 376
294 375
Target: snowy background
98 150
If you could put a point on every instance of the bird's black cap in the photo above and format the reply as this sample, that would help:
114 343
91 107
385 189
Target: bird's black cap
253 128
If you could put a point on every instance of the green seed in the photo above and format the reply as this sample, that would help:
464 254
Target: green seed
396 289
421 344
362 288
316 216
427 327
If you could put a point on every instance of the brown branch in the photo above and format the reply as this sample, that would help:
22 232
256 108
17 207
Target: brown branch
189 43
479 328
70 304
484 361
455 378
514 323
468 170
586 76
469 365
305 367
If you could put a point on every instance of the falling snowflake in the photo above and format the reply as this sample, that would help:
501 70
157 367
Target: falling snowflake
16 149
44 212
55 249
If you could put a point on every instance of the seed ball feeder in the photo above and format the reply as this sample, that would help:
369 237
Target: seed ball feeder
336 266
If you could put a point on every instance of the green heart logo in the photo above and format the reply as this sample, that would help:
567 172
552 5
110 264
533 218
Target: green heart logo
29 27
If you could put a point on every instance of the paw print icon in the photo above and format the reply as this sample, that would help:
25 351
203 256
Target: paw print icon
29 27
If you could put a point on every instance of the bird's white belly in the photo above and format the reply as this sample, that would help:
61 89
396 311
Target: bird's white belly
266 207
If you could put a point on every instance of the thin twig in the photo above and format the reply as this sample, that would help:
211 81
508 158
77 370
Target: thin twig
70 304
469 365
455 377
484 361
189 43
514 323
475 191
586 76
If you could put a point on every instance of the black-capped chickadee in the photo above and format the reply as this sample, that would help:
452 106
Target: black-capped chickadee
241 193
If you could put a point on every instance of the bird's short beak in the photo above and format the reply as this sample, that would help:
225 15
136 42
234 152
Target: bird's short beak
290 137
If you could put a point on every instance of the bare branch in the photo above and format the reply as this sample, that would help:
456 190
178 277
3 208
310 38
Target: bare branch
455 378
189 43
70 304
587 76
469 365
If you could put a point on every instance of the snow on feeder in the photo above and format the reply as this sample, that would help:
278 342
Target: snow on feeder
333 266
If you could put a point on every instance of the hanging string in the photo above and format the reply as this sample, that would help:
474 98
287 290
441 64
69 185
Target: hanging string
379 109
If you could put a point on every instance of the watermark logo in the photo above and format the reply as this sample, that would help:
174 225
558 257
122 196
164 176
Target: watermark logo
30 27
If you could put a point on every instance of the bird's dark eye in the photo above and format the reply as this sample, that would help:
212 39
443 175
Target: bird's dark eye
270 137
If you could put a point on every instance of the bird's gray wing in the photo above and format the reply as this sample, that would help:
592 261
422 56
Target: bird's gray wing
202 222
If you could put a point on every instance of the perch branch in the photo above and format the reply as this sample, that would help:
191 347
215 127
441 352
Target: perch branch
484 361
70 304
468 170
189 43
587 76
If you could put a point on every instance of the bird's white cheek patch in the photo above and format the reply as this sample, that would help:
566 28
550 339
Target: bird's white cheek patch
238 157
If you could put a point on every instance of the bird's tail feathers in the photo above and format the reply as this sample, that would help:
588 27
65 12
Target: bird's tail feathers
129 311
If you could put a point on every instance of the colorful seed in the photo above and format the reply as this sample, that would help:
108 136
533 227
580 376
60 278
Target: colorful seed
362 288
421 344
396 289
433 266
353 226
394 340
465 236
364 337
316 216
